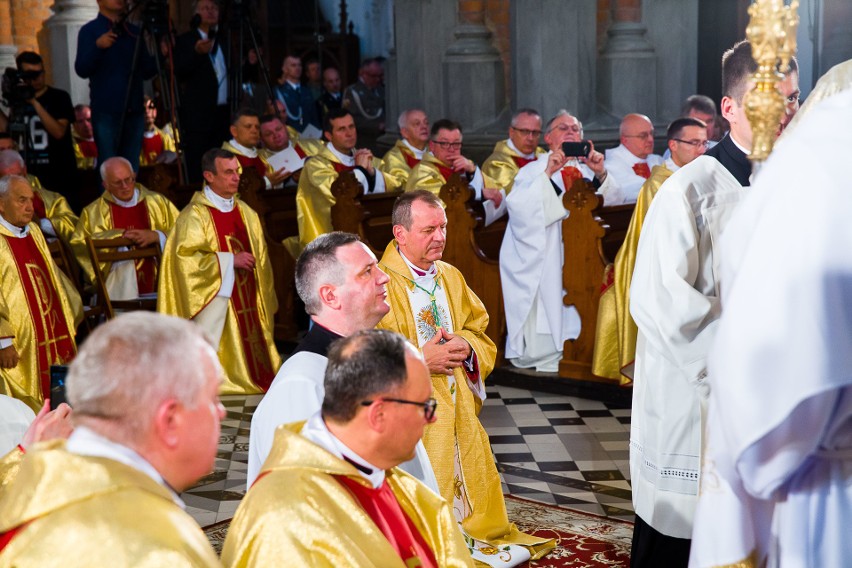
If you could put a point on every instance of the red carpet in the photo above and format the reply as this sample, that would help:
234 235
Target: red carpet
584 540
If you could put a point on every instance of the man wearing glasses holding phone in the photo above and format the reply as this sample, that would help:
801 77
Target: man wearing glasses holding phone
48 147
631 162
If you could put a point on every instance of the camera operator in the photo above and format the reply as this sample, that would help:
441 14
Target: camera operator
105 51
47 113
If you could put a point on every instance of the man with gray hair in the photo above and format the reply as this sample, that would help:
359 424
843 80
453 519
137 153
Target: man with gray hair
126 209
518 150
39 306
409 149
51 210
144 389
330 493
344 292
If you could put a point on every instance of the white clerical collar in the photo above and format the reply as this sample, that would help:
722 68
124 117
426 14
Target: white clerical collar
416 271
294 85
129 203
417 153
219 202
86 442
514 149
244 150
202 33
738 145
19 232
150 133
344 159
671 165
316 430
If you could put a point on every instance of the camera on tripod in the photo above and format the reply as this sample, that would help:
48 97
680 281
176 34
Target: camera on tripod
16 88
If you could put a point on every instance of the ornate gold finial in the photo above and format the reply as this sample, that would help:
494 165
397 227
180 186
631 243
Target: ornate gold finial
772 33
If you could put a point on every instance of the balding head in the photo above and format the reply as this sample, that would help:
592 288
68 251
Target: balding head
637 135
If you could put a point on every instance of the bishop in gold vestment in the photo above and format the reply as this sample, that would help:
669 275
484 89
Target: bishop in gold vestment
299 514
457 423
615 334
66 510
191 278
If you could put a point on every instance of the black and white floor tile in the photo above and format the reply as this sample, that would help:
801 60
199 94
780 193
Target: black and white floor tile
560 450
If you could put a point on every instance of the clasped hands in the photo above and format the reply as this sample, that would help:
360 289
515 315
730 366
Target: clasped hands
442 358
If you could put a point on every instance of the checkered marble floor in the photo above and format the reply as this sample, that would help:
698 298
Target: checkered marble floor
556 449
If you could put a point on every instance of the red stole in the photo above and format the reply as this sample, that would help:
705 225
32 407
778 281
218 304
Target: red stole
152 147
38 206
570 174
299 151
255 163
54 341
520 161
88 148
410 160
641 169
136 217
6 537
381 506
340 168
233 237
445 171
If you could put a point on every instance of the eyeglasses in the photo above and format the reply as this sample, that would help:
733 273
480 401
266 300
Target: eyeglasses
642 135
428 407
695 143
565 128
526 133
447 146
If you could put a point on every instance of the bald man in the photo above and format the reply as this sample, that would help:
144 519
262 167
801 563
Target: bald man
631 162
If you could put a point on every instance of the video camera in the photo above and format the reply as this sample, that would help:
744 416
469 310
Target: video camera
15 86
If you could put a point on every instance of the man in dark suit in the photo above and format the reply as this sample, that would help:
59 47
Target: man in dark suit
200 68
301 109
332 95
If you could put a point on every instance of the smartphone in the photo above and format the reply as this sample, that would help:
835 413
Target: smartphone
577 149
57 385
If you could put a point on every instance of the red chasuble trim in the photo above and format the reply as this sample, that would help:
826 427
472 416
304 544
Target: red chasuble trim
255 163
233 237
38 206
641 169
6 537
445 171
410 160
520 161
136 217
381 506
88 148
299 151
340 168
570 174
54 343
152 147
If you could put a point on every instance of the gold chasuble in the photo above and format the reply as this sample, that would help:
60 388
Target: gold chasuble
431 174
39 311
456 442
53 207
503 164
398 163
106 219
314 199
65 510
190 279
10 464
615 335
300 512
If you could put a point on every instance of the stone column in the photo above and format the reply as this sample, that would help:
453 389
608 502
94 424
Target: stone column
473 90
7 44
673 29
63 27
553 56
627 70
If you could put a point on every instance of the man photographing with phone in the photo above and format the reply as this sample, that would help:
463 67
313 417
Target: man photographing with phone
531 253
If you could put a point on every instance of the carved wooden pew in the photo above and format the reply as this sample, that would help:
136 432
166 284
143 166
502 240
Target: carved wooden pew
164 178
368 216
591 237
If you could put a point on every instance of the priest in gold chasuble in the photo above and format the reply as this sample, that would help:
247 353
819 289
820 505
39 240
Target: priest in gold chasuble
39 306
216 271
433 307
408 150
517 151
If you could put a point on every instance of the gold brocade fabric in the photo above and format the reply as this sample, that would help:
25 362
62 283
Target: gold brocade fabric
96 222
298 514
488 521
10 464
56 209
168 146
311 146
84 511
233 149
22 381
314 199
616 332
190 278
395 164
501 167
83 162
427 175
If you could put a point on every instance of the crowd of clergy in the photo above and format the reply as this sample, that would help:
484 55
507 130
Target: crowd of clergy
366 448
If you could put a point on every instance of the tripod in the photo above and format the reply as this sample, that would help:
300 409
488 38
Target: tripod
154 24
